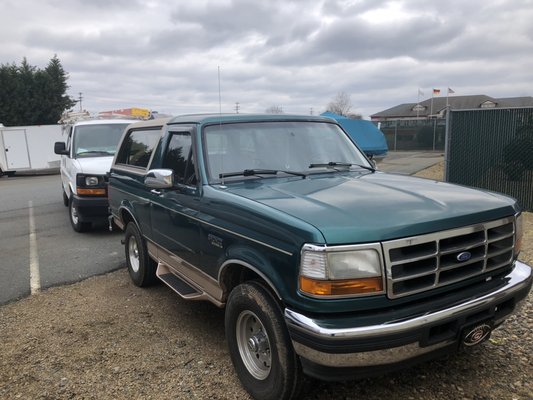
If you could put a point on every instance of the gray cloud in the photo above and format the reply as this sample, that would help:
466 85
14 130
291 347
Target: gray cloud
296 54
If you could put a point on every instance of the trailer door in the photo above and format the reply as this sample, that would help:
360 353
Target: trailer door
16 149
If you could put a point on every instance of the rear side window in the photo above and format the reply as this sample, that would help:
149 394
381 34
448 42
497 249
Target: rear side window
138 146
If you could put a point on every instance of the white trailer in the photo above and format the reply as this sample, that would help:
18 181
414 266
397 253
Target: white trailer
29 149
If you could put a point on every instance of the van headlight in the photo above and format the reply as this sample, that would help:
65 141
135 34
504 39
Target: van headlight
341 270
91 181
91 185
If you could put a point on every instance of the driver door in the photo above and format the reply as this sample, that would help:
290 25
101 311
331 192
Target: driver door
174 211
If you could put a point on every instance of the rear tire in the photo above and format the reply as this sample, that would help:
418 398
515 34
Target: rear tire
140 266
74 217
259 344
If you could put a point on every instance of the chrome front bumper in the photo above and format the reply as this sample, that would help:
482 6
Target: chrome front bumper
518 281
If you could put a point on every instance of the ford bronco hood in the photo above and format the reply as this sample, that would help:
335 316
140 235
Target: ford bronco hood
355 208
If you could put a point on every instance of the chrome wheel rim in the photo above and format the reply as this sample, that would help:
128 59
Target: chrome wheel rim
254 345
133 254
74 215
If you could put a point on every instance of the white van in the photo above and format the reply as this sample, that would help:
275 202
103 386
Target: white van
86 158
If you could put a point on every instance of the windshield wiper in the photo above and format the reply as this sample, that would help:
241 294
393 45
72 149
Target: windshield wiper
95 152
256 172
340 164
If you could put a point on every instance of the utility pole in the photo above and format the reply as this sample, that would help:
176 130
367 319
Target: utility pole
236 107
311 111
79 101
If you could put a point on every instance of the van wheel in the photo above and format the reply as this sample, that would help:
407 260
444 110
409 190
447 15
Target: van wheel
77 225
259 344
140 266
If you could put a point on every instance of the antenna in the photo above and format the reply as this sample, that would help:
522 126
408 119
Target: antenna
220 123
219 97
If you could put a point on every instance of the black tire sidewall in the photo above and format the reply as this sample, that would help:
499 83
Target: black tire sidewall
146 274
285 370
80 226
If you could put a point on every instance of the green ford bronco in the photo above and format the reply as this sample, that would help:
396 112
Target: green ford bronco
325 266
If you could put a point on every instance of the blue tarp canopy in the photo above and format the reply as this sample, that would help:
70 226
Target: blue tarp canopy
367 136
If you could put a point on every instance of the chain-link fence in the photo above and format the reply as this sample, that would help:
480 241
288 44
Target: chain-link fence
427 134
493 149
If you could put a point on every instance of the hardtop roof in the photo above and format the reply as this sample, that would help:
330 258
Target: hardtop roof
225 118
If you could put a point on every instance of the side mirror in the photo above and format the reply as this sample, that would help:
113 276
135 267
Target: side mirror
370 157
159 179
60 148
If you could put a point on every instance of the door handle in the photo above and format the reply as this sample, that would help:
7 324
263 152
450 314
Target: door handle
156 192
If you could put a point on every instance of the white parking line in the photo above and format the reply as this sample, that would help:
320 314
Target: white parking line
35 277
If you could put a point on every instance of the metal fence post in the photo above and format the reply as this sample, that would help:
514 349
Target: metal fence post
447 138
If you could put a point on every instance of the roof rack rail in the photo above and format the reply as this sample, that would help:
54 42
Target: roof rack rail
71 117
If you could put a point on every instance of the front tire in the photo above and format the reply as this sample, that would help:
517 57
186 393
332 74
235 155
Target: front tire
259 344
140 266
65 198
74 217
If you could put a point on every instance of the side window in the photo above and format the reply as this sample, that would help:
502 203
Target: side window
178 157
69 137
138 146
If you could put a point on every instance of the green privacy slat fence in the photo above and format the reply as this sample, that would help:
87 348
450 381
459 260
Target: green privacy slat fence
414 135
492 149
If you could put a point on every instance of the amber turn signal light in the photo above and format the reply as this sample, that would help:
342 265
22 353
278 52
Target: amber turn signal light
91 192
344 287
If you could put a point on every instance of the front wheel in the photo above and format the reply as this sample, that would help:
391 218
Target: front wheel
260 346
140 266
75 221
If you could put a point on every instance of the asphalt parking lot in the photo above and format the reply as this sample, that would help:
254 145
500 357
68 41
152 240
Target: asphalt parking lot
409 162
38 247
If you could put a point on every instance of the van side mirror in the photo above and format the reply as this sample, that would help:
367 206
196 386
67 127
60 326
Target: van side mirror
60 148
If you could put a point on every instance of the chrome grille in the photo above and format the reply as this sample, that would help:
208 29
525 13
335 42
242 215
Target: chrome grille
425 262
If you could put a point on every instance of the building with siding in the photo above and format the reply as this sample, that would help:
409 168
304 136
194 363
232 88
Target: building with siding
436 107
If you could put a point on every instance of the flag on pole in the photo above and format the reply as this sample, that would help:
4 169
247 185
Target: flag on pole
436 92
450 91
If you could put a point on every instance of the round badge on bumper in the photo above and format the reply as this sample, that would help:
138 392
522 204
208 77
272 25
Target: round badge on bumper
477 334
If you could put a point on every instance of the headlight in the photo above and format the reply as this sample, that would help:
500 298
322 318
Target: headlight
341 271
90 185
519 233
91 180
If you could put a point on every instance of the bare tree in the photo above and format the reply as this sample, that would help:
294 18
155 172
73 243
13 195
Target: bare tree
354 115
341 104
274 110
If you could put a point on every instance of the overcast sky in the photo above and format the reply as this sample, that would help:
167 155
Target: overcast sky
296 54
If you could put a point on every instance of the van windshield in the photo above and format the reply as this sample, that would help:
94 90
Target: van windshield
97 140
284 146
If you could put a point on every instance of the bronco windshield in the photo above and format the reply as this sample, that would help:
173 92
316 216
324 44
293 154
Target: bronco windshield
97 140
284 146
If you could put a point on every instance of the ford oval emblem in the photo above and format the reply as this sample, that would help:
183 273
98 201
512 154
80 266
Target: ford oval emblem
464 256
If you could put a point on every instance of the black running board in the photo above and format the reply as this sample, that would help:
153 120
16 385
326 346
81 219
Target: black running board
177 284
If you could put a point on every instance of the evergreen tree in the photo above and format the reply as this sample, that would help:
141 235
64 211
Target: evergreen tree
8 93
58 100
31 96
